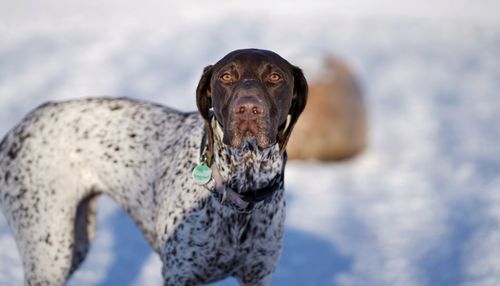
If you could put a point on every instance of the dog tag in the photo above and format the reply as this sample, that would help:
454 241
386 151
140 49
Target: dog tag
202 174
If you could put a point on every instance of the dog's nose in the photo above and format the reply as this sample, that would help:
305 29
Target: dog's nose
248 108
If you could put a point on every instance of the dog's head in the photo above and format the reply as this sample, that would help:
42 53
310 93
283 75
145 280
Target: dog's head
256 95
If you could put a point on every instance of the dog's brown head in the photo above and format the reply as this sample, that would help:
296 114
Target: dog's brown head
252 92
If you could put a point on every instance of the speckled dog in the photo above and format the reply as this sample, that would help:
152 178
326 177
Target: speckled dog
57 161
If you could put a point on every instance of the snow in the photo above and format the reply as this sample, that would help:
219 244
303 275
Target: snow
420 207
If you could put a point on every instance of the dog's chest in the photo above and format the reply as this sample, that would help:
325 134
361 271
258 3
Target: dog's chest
218 242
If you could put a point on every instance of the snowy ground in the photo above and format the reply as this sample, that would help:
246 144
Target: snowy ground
420 207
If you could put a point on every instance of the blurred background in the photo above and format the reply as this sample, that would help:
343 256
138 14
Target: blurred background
416 203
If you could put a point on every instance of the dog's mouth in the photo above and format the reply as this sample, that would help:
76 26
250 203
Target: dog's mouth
243 133
248 129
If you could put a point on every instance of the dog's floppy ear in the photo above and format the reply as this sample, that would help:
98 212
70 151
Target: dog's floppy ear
299 101
204 94
204 103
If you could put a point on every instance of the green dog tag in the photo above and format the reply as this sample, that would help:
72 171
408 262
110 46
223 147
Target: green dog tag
202 174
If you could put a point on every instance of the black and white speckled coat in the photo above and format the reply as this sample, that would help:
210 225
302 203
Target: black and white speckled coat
57 161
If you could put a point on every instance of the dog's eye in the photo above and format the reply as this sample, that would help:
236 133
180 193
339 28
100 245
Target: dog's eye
274 77
226 77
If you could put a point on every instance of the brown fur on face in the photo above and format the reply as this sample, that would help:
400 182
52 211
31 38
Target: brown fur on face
250 71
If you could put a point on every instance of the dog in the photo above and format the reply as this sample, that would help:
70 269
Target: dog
205 188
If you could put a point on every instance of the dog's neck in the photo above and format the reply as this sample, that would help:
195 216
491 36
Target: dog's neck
247 168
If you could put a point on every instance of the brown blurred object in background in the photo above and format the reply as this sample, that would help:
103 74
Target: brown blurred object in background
333 125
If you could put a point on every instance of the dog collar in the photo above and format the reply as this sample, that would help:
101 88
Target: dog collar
202 174
244 202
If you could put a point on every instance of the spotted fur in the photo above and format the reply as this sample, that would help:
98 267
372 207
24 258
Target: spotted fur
57 161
